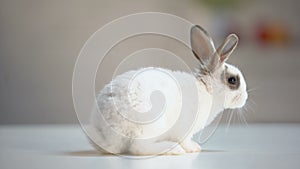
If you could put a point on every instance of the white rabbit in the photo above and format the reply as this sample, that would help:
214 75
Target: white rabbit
121 124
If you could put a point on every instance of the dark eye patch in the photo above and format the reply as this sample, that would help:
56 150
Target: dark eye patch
232 81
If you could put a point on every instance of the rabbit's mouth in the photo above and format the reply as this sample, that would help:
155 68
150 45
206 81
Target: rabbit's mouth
239 100
236 98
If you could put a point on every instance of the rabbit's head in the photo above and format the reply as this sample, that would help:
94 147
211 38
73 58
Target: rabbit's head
214 72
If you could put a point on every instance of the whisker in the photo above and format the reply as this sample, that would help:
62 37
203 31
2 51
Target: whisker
234 116
239 116
252 102
245 112
243 118
230 117
252 89
227 116
250 107
246 107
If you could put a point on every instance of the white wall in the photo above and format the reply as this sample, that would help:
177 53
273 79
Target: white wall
40 40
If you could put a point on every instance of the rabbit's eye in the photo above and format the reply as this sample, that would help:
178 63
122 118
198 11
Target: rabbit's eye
232 80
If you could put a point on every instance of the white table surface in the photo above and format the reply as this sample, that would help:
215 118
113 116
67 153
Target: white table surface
61 146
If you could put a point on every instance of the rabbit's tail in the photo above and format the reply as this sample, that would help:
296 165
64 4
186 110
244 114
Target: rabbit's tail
110 144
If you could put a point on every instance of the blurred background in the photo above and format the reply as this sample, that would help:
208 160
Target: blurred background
41 39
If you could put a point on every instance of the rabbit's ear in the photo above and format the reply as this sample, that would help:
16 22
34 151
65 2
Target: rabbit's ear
228 46
203 47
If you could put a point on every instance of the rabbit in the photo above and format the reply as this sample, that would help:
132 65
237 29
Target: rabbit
115 125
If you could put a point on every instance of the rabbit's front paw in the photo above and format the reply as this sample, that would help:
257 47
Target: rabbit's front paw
178 150
190 146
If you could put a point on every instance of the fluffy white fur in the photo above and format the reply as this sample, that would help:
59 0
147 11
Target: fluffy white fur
191 102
